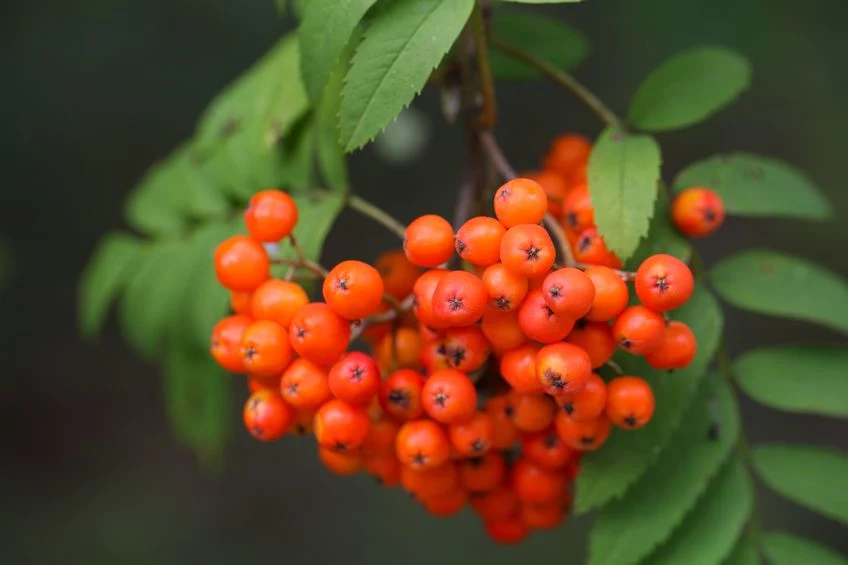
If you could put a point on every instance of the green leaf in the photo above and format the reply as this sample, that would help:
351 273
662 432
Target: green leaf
198 401
624 171
154 206
331 158
770 376
547 39
151 300
663 237
744 552
402 46
781 548
607 473
624 533
101 282
201 197
772 283
813 477
688 88
751 185
708 533
325 29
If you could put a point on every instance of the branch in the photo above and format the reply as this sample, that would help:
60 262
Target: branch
377 214
489 112
560 77
398 310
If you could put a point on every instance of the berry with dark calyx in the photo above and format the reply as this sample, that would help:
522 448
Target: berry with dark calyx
639 330
664 283
520 201
630 402
697 211
266 415
353 289
677 349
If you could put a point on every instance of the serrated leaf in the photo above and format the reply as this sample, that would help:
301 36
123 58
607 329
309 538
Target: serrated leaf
107 271
402 46
331 157
709 531
781 548
688 88
813 477
624 532
663 237
751 185
154 206
324 30
607 473
151 299
770 376
624 172
744 552
772 283
198 401
547 39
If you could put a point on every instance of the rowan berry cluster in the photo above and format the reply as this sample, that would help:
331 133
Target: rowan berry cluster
480 386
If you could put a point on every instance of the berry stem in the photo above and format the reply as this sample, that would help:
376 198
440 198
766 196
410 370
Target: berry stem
561 78
489 112
398 310
316 268
377 214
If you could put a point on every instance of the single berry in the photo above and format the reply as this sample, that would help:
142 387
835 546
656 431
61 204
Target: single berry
518 368
502 329
270 216
353 289
354 378
478 240
578 214
569 292
638 330
530 412
562 368
449 396
428 241
266 415
241 264
677 349
567 153
546 450
591 248
226 342
596 339
400 395
319 334
506 289
459 299
265 348
539 322
304 384
527 250
482 473
630 402
583 436
611 294
697 212
340 426
534 484
422 293
278 301
664 283
472 437
398 273
422 444
585 404
520 201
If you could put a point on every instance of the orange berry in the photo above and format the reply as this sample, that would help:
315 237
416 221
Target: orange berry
459 299
507 531
381 438
422 444
578 214
542 516
520 201
505 435
611 294
697 212
449 396
535 485
226 342
319 334
562 368
480 474
472 437
266 415
400 350
506 289
495 504
400 395
353 289
478 240
630 402
583 436
422 293
398 273
596 339
448 504
590 248
466 348
539 322
664 283
255 383
567 153
278 301
527 250
265 348
639 330
241 264
271 215
304 421
518 368
555 185
530 412
340 463
546 450
240 302
569 292
304 384
677 349
502 329
385 468
354 378
585 404
428 241
430 482
340 426
434 356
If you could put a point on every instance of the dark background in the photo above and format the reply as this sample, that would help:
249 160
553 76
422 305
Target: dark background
94 91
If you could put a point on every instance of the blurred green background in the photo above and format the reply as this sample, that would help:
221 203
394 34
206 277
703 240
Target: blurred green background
94 91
